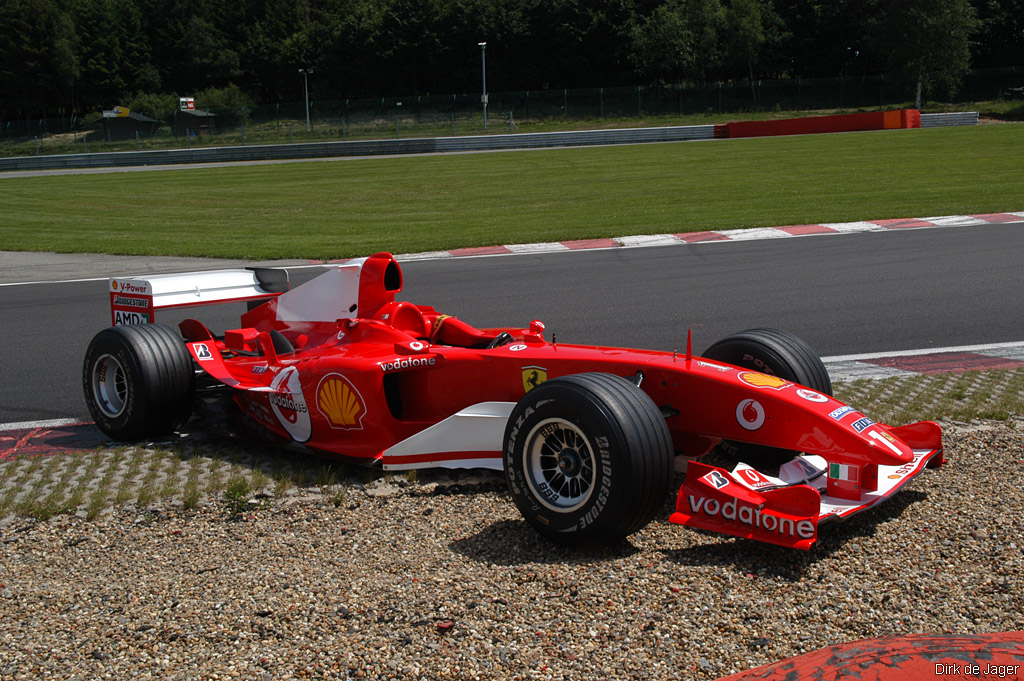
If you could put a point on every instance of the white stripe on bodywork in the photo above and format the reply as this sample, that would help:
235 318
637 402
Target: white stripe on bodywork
478 428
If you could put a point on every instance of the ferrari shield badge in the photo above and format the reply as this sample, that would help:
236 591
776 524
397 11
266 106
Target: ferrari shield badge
533 376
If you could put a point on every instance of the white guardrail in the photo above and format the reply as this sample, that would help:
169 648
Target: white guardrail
426 145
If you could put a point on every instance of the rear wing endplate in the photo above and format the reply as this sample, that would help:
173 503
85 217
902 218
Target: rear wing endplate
135 300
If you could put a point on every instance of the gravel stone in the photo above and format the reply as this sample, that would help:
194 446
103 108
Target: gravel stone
429 579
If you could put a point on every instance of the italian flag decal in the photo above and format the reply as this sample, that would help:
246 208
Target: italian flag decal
843 481
839 471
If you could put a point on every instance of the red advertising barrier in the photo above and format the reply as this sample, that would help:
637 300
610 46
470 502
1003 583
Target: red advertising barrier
875 120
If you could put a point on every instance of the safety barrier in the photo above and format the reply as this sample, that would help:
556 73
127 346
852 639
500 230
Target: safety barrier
945 120
875 120
428 145
361 148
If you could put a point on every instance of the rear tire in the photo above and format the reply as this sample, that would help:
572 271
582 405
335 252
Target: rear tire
138 381
588 458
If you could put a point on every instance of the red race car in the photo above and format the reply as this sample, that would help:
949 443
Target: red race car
587 436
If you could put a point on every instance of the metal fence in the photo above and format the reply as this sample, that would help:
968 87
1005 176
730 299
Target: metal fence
462 115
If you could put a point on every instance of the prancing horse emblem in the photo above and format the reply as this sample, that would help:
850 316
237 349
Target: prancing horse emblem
533 376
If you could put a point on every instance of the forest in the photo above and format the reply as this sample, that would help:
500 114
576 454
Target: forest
63 56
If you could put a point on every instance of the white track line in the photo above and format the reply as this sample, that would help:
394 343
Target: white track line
923 351
54 281
50 423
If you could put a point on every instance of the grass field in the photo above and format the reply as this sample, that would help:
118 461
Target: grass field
333 209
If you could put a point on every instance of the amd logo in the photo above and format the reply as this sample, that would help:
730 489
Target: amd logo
123 317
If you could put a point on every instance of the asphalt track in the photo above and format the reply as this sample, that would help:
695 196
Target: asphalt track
846 294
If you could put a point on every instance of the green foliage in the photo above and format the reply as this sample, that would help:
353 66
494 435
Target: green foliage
927 43
752 28
78 55
664 44
112 51
39 60
237 495
229 96
152 104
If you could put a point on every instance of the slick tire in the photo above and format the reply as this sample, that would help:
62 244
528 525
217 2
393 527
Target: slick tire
588 458
776 353
138 381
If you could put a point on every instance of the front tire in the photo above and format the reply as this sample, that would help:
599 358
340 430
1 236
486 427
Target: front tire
138 381
588 458
776 353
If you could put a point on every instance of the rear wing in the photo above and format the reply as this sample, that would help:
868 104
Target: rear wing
135 300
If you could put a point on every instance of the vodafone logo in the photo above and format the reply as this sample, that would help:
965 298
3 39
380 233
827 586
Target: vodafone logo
750 414
289 405
409 363
752 478
737 512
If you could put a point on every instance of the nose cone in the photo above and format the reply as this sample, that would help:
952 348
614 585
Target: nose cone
889 449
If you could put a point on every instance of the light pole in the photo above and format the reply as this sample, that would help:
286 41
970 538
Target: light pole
305 82
483 69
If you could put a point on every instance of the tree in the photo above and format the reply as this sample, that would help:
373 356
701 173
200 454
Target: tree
663 44
572 43
193 42
707 22
752 30
827 39
38 57
80 54
928 42
679 40
999 40
277 42
113 51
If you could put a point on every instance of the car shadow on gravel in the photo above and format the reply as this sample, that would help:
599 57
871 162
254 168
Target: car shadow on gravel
514 542
753 557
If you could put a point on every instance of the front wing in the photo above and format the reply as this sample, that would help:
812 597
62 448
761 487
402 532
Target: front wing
787 510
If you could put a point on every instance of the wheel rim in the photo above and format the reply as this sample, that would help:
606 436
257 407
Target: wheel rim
560 465
109 386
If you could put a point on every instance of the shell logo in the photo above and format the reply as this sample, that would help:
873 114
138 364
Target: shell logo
340 402
759 380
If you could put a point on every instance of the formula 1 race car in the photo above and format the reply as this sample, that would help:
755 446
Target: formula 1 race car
586 435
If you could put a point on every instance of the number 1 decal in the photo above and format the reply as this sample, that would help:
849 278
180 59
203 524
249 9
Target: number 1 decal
881 437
